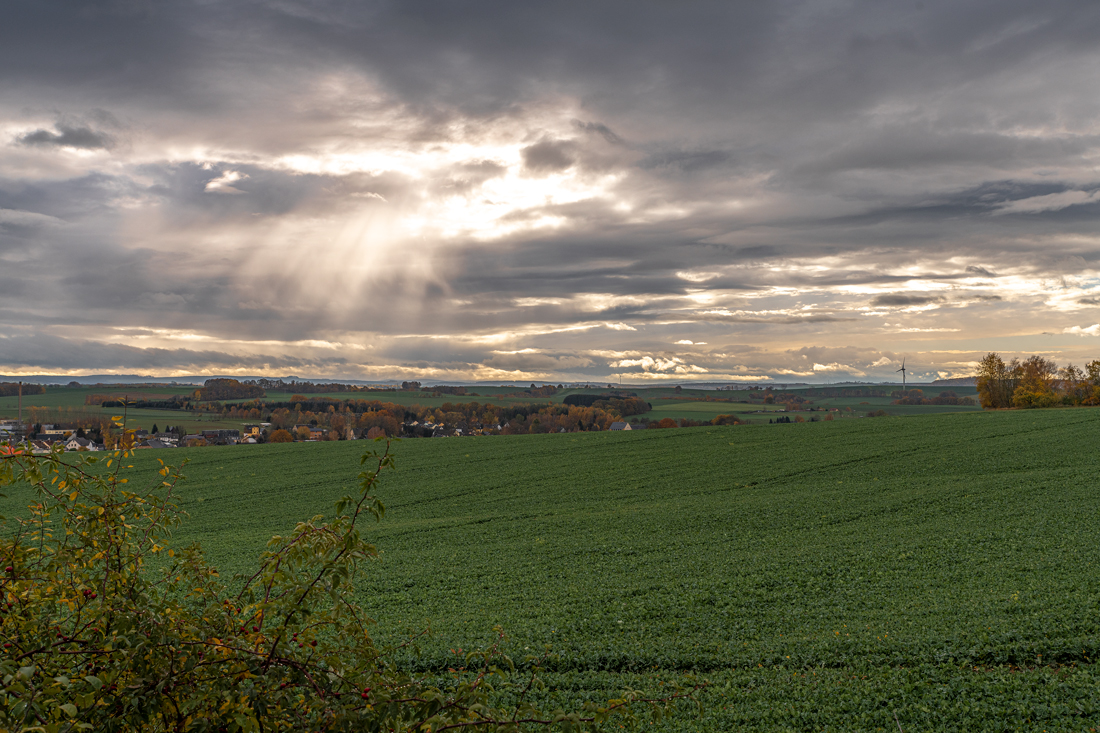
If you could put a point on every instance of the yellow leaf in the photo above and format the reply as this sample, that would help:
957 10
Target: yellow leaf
100 510
171 553
117 417
72 496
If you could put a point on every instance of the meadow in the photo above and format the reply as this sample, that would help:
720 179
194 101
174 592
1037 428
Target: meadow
933 573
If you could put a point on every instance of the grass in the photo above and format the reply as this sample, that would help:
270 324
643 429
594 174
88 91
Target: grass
821 575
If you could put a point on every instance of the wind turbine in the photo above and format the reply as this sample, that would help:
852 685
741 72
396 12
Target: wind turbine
902 370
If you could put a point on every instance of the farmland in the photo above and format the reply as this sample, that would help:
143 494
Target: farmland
65 404
822 575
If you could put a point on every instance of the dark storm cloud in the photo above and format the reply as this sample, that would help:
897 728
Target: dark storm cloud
687 162
66 354
69 137
900 299
600 129
548 155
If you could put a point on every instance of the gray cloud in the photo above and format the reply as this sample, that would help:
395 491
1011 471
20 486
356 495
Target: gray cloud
68 136
900 299
548 155
494 185
66 354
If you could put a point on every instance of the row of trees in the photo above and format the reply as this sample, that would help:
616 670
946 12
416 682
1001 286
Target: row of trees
11 389
337 416
228 389
1036 382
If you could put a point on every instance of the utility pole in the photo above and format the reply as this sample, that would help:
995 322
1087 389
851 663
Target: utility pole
20 404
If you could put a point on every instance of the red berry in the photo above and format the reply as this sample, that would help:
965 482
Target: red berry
10 569
255 628
313 643
365 696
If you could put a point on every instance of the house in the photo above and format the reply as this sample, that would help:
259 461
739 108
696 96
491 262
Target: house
154 443
188 441
621 426
222 437
75 443
316 432
39 447
253 430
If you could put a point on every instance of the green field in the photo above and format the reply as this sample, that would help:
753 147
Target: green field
824 576
70 400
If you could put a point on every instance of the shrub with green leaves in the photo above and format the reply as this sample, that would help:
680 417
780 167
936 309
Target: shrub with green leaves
104 627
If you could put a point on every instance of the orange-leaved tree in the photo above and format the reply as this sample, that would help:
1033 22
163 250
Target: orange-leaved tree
996 381
1035 383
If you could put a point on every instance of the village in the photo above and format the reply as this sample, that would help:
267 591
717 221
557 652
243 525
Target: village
46 438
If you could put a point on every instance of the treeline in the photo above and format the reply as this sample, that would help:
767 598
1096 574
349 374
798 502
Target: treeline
546 390
278 385
11 389
337 417
1036 382
228 389
848 392
174 402
169 404
916 397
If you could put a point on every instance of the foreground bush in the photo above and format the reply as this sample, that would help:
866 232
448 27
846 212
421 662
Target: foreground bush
96 639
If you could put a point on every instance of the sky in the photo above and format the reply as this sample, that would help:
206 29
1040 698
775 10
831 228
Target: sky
548 192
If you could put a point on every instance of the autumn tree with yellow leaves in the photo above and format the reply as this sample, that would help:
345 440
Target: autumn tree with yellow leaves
1036 382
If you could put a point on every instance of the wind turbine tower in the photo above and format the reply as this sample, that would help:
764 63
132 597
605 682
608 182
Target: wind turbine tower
902 370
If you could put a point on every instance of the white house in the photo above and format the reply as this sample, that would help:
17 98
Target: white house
75 443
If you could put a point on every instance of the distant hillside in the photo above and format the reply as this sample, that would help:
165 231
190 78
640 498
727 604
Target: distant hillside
956 382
